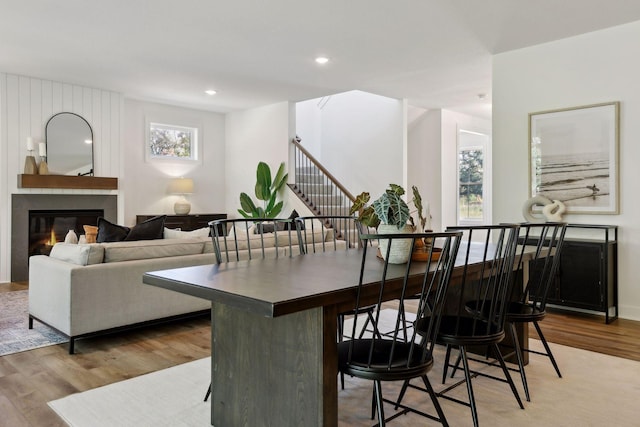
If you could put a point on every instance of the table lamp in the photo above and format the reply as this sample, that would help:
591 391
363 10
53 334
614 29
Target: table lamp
182 187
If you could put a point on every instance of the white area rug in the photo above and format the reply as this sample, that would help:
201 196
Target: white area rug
15 335
596 390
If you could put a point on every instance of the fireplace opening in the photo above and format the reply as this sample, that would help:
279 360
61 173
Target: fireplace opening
48 227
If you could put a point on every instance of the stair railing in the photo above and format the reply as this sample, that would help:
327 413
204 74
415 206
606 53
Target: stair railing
315 185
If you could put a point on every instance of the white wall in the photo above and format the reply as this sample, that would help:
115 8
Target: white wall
362 139
144 184
424 167
592 68
433 159
308 124
252 136
26 104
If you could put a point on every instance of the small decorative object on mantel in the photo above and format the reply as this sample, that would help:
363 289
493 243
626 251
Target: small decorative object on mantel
30 167
43 168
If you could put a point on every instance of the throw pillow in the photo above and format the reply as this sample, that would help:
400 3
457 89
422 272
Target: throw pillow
151 229
110 232
91 233
179 234
279 226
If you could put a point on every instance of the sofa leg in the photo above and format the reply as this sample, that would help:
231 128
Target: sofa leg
72 342
30 322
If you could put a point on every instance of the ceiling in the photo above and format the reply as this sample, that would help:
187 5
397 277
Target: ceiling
435 53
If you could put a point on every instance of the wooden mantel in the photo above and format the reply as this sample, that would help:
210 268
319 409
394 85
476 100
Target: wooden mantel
67 181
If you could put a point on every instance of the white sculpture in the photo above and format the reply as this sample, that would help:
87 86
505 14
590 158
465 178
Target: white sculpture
551 210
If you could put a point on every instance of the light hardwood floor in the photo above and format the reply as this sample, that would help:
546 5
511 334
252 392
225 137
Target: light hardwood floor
30 379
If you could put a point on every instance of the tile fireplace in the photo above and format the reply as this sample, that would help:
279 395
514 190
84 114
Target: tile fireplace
39 220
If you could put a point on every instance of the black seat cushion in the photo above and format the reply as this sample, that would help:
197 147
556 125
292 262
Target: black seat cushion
400 368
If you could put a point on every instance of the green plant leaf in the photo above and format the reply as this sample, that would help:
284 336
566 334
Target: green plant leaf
276 210
280 178
360 202
263 181
247 204
417 201
381 207
396 189
368 217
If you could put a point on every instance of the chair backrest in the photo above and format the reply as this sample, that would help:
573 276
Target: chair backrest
540 247
378 280
487 258
244 238
324 232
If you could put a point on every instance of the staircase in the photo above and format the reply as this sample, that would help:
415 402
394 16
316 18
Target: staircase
317 188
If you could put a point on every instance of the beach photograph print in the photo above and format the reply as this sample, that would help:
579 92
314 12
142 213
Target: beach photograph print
574 157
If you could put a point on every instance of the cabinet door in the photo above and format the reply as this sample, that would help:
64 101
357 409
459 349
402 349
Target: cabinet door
581 275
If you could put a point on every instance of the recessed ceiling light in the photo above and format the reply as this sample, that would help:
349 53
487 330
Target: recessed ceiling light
322 59
210 92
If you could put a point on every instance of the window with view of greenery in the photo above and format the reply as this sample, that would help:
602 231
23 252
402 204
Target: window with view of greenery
172 142
471 179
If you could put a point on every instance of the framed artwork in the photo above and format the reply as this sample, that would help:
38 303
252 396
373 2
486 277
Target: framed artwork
169 142
573 157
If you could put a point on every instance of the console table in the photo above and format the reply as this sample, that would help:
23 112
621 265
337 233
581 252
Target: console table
588 273
185 222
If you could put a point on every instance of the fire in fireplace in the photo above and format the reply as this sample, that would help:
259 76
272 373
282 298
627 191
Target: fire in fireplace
47 227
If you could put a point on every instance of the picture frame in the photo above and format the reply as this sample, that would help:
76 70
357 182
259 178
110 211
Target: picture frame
168 142
573 157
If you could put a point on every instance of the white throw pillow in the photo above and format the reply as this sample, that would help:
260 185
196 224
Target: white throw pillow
179 234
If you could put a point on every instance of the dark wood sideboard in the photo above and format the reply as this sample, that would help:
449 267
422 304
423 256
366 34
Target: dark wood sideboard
185 222
587 277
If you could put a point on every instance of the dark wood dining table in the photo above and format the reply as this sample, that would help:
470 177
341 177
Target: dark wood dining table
274 332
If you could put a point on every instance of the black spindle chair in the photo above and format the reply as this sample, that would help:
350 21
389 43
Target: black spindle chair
487 260
391 357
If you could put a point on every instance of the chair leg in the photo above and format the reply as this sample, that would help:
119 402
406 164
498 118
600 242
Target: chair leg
206 396
405 385
434 399
456 366
548 350
446 364
516 343
378 391
467 376
507 375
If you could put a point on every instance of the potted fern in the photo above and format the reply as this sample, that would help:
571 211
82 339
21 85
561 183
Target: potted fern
390 214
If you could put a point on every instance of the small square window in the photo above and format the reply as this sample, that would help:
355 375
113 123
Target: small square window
171 142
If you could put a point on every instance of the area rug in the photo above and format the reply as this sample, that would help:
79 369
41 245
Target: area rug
15 335
595 390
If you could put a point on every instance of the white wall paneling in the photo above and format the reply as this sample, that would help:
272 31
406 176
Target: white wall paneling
26 104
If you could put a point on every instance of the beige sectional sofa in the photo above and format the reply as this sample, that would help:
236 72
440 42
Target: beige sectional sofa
84 290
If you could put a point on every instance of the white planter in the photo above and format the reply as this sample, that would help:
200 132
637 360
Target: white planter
400 248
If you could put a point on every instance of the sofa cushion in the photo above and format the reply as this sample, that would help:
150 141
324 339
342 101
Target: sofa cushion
179 234
145 249
78 254
110 232
150 229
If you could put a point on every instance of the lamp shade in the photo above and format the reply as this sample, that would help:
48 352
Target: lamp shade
181 186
